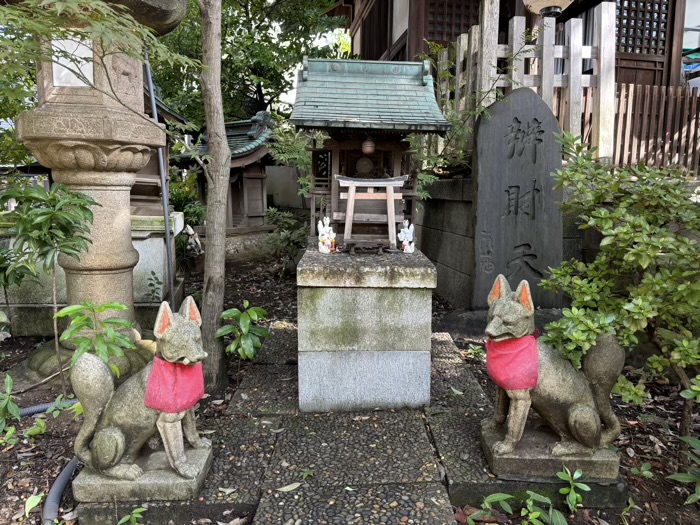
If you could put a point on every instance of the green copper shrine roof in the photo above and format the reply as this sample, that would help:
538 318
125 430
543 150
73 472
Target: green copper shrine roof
245 136
367 95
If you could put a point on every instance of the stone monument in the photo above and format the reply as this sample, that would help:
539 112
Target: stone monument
518 228
575 405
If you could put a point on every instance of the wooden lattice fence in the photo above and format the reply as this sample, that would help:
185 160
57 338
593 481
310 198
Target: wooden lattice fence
479 56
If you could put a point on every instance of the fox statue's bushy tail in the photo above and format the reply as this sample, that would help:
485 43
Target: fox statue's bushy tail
93 385
602 365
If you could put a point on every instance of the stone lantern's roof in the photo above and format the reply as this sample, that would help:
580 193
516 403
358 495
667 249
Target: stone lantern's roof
367 95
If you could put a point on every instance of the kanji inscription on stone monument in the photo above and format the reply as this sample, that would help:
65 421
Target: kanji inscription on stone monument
517 208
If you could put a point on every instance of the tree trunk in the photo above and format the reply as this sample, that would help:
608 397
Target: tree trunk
218 179
687 414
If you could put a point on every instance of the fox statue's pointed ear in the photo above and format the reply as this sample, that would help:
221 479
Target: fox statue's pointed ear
499 289
523 296
189 310
163 320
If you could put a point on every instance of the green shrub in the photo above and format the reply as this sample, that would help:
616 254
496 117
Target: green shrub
645 279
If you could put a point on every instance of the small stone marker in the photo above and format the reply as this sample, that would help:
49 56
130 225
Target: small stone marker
518 220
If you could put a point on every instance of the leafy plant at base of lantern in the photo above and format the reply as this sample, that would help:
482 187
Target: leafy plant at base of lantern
48 224
8 407
106 339
248 336
645 280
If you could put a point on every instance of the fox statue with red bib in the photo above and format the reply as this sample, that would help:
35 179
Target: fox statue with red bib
160 399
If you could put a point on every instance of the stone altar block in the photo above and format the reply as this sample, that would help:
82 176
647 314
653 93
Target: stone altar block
364 330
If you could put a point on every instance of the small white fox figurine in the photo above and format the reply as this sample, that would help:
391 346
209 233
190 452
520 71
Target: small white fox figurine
406 237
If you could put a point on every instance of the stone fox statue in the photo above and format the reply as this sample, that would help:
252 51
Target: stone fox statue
160 398
575 404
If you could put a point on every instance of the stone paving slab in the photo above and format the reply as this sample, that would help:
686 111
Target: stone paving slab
242 449
267 390
452 384
426 504
353 449
281 347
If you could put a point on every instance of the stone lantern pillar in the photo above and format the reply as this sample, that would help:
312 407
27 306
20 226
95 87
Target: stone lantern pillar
94 141
95 136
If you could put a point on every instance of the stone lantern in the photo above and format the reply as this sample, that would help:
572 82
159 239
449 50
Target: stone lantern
95 136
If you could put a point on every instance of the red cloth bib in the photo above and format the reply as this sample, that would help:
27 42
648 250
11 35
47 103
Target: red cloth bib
513 364
174 387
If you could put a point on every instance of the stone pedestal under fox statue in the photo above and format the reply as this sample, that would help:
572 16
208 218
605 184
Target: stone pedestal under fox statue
160 399
528 372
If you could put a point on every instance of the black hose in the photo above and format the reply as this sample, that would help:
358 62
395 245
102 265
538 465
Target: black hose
49 513
30 411
53 499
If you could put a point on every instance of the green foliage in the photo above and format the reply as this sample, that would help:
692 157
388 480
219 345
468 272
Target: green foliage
534 514
8 407
487 506
692 473
247 330
644 471
290 147
307 473
105 336
436 156
49 223
290 237
155 285
624 515
9 437
37 429
573 498
629 392
60 403
694 391
133 517
183 197
28 24
646 276
262 41
32 502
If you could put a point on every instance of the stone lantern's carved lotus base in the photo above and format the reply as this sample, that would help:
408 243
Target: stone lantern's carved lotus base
89 138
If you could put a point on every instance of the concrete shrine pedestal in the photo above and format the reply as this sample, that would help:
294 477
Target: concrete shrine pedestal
364 330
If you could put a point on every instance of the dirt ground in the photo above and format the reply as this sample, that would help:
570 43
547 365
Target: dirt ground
649 431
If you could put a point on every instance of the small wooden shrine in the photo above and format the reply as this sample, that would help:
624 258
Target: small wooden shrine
247 191
367 108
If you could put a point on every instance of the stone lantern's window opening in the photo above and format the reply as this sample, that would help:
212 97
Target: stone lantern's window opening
65 69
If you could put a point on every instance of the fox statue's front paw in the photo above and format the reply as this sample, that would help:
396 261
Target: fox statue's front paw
186 470
127 471
201 443
503 447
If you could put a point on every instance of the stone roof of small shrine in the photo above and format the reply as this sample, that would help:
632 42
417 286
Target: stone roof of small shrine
367 95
